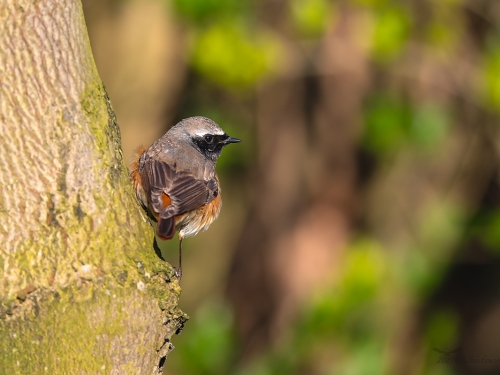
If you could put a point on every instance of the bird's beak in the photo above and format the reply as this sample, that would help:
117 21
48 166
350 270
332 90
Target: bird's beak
231 140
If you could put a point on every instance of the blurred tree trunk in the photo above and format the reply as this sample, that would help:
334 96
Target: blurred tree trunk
82 290
307 198
140 51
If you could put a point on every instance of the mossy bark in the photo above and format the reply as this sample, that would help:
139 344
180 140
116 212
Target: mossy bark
81 289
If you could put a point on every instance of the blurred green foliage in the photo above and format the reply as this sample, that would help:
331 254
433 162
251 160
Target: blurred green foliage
312 17
342 322
349 323
208 346
231 56
393 123
492 77
442 330
226 49
201 11
387 124
430 125
484 228
391 31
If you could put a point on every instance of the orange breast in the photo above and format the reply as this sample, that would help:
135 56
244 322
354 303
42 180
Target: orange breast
212 209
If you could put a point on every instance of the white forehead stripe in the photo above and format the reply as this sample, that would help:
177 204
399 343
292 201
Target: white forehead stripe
204 133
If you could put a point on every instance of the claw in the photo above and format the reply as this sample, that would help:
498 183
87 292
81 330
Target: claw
178 273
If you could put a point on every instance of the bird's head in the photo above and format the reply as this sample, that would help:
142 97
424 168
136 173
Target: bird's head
204 135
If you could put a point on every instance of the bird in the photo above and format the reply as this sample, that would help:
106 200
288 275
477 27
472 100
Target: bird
175 179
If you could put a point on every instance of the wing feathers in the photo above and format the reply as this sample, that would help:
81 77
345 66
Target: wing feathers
185 192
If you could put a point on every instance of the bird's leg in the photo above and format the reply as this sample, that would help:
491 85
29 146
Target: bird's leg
179 270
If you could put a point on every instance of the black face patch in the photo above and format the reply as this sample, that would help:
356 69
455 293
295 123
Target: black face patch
211 144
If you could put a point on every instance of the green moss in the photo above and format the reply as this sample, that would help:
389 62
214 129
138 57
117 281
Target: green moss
75 328
74 342
104 128
71 332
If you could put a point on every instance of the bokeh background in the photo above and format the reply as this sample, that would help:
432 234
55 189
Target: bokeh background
360 231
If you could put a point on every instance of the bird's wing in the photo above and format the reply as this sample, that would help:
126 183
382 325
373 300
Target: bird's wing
175 192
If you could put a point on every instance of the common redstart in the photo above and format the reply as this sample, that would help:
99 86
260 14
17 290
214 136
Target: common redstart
175 178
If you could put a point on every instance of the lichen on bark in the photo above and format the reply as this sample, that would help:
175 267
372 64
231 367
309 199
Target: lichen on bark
82 290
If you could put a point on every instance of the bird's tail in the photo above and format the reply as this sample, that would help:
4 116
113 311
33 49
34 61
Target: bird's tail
166 228
136 178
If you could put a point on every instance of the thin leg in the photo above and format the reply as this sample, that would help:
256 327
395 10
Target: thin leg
179 270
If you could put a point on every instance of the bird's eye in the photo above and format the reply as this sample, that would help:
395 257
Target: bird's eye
209 138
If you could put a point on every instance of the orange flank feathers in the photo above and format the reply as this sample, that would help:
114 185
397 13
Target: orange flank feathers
165 200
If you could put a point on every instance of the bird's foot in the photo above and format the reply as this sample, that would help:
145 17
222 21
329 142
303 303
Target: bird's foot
178 273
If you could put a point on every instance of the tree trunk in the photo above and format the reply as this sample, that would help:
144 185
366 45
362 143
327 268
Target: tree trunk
82 291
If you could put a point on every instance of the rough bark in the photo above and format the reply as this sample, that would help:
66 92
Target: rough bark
81 290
